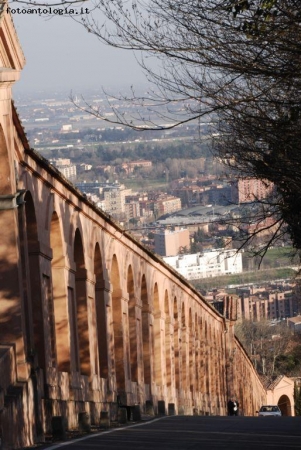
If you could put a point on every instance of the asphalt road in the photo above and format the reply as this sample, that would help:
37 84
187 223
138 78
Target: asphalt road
197 433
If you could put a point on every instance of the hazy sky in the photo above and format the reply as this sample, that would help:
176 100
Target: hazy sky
61 54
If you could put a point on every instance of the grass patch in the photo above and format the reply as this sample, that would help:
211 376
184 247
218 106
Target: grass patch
258 276
282 255
274 258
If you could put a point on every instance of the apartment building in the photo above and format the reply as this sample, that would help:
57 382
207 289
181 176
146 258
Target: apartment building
114 198
208 264
171 242
69 171
166 204
247 190
266 305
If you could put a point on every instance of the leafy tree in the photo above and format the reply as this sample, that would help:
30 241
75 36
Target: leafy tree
183 250
199 235
134 221
220 242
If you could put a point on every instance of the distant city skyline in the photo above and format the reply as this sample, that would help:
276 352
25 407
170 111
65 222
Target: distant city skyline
61 55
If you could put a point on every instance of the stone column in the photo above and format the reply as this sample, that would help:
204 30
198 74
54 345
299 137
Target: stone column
230 351
83 321
140 373
158 349
12 301
121 342
62 319
169 370
102 305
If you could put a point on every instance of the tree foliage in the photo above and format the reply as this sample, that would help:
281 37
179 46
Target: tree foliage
297 398
155 153
265 344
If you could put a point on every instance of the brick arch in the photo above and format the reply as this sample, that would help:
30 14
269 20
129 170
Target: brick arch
126 264
211 361
176 343
197 351
202 351
81 305
96 240
183 346
145 300
50 207
60 299
55 205
73 225
37 288
163 284
167 308
146 340
6 178
208 365
183 315
101 314
135 264
284 404
115 280
32 228
111 248
191 350
133 329
118 325
214 364
168 357
157 336
98 262
76 224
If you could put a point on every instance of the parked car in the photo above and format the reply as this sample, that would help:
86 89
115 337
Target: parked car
269 410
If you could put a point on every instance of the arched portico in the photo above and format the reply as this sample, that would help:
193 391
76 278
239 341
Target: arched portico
168 343
61 336
281 392
285 405
176 350
133 329
157 337
81 300
37 287
101 314
87 313
121 364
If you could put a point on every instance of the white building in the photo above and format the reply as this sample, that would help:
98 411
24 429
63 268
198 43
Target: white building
65 167
68 171
60 161
67 127
114 197
208 264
